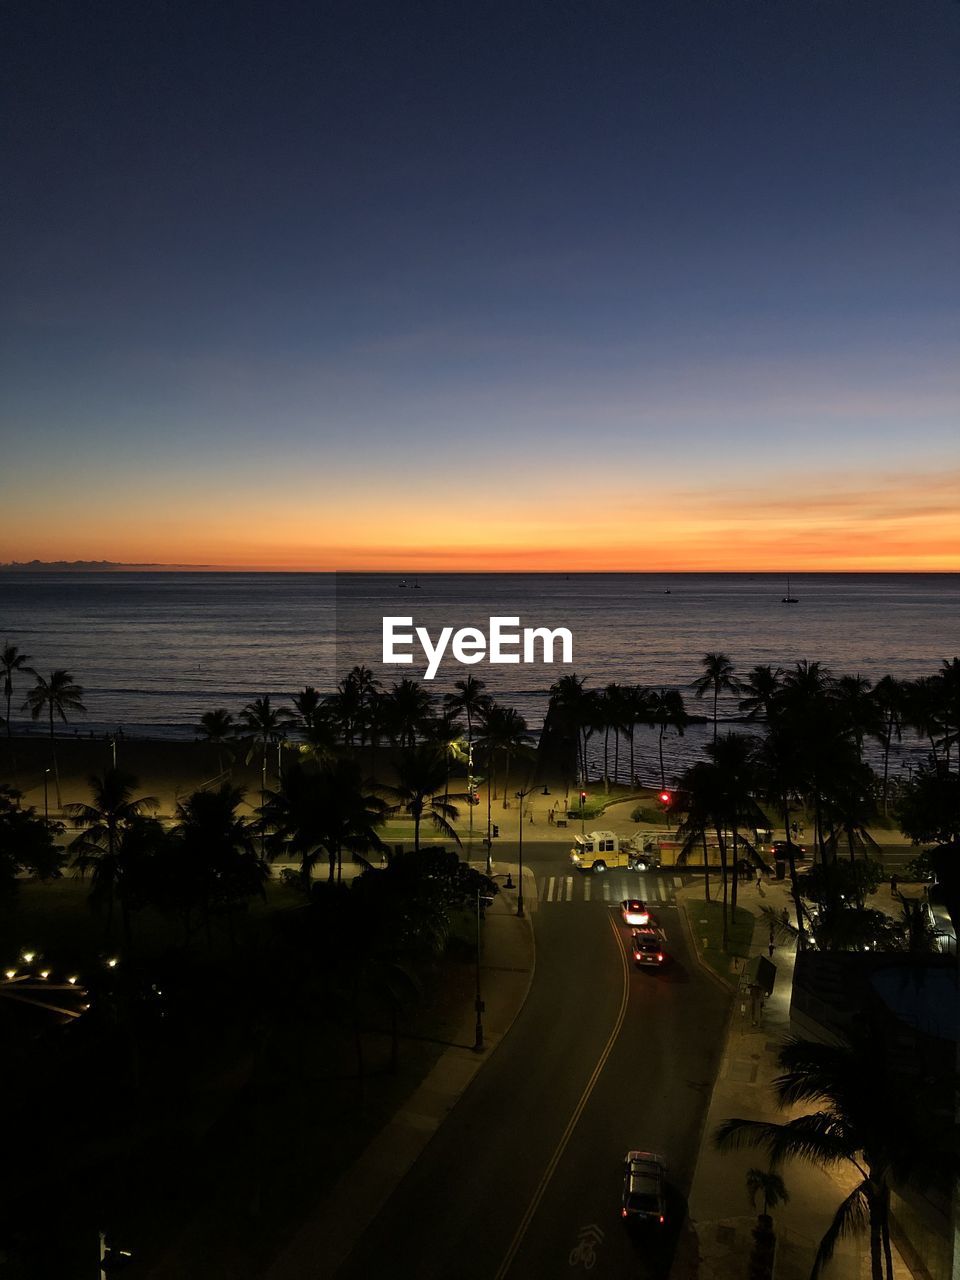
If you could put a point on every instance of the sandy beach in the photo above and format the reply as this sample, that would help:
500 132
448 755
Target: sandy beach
169 771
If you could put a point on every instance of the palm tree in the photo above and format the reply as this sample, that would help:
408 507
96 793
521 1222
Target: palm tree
769 1186
218 866
504 730
218 728
264 725
419 791
470 701
857 707
698 796
12 661
636 711
666 710
406 709
885 1142
569 706
329 810
779 776
761 688
717 675
56 696
100 845
888 696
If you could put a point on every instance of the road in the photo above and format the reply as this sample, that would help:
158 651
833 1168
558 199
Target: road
523 1179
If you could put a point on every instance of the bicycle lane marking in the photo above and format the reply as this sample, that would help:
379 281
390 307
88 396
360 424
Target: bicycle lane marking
577 1111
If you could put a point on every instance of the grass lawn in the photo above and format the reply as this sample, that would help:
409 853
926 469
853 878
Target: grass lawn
706 921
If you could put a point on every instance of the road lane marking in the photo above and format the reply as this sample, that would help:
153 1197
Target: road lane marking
587 890
550 888
569 897
577 1111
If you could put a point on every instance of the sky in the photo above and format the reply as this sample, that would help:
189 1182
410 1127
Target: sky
426 284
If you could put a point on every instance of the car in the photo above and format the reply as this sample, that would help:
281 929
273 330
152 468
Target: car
780 849
643 1198
646 946
634 911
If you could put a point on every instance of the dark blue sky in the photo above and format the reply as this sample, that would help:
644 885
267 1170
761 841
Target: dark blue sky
316 251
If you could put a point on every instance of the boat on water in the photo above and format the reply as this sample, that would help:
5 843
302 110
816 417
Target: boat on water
402 582
788 598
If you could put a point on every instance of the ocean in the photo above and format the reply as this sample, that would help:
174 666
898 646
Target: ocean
154 650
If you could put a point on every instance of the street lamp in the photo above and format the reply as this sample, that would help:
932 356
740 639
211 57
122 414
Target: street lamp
583 800
521 796
46 804
470 791
478 1002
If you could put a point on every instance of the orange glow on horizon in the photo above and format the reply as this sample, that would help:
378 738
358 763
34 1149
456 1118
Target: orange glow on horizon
853 524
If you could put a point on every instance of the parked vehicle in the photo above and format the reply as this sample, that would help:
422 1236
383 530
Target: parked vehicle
643 1198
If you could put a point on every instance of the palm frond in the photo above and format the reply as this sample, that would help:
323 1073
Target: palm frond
852 1216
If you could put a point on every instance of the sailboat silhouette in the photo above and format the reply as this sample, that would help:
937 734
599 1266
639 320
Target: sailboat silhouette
788 598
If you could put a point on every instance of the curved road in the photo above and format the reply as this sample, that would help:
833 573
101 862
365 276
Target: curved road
523 1179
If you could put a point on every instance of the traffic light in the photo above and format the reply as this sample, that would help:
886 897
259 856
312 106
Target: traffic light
496 829
583 798
665 797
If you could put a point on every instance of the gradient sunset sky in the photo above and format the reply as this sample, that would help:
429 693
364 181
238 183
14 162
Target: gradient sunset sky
645 284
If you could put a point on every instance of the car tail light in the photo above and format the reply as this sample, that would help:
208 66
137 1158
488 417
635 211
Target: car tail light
623 1214
661 1219
659 958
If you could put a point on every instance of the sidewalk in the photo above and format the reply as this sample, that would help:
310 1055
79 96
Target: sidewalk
718 1237
324 1242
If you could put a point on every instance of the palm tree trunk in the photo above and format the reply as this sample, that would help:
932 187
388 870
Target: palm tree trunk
56 768
506 777
606 759
616 755
736 869
716 694
886 762
663 776
706 867
876 1258
723 877
633 772
885 1234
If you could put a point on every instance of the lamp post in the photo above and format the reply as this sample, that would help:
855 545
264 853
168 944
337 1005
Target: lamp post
46 804
583 796
521 796
470 790
478 1002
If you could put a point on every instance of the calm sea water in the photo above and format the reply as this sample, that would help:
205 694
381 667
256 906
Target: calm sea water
153 651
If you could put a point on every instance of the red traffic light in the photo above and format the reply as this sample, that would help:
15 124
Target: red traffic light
583 796
665 797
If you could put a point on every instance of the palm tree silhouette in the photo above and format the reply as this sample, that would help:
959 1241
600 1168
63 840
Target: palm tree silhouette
665 709
407 709
866 1119
264 725
761 688
717 675
330 809
888 694
215 858
419 791
217 727
56 696
102 843
12 661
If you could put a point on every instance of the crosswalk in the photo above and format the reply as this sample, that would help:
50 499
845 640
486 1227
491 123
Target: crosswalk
608 888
